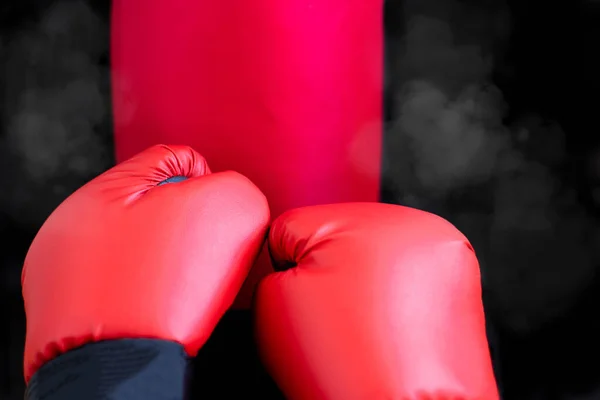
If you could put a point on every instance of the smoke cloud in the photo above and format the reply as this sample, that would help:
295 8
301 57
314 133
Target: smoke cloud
56 111
451 151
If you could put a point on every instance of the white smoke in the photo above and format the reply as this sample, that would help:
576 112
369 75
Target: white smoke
55 109
450 151
451 138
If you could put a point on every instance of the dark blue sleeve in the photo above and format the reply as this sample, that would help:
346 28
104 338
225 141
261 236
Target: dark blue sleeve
126 369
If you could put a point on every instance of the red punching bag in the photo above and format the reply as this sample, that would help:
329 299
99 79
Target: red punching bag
286 92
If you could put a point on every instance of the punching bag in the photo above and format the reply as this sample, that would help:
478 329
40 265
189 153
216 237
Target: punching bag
286 92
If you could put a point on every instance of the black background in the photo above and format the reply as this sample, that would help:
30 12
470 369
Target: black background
492 121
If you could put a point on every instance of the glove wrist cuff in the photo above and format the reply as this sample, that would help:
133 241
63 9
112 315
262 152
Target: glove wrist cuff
129 369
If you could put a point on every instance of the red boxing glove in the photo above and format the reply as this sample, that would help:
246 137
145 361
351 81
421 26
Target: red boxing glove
126 257
376 301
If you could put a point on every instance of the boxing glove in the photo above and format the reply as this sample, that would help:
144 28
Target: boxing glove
131 273
372 301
